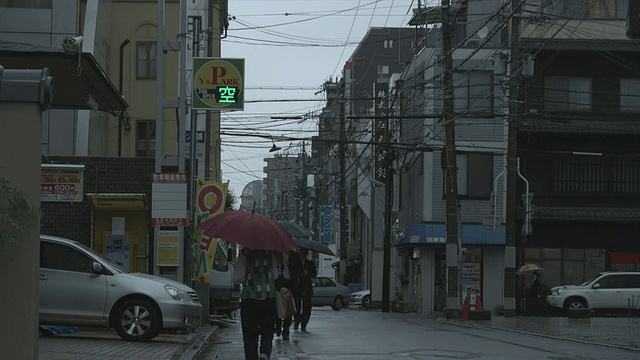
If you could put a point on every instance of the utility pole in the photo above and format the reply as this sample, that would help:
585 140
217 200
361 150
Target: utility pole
451 197
386 247
510 256
305 188
343 196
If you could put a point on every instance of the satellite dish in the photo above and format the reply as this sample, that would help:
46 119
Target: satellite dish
482 33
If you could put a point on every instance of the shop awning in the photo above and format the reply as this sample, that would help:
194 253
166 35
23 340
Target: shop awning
436 234
75 86
108 201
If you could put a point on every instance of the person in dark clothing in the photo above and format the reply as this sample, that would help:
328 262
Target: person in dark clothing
290 268
258 313
303 302
535 288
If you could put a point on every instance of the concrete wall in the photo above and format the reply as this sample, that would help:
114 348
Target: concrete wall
19 273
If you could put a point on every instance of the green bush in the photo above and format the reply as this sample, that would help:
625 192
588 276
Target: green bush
15 215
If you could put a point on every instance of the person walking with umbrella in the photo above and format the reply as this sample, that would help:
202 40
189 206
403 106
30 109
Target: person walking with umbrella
303 302
255 269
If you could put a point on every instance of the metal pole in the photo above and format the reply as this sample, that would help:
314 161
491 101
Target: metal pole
182 127
159 108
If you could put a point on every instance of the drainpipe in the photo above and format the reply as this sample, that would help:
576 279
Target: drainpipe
121 117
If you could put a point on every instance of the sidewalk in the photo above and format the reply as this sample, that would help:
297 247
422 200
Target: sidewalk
102 344
621 332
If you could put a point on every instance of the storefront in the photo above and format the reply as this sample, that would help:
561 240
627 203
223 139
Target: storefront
482 269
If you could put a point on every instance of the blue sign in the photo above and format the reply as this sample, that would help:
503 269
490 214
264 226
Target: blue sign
326 225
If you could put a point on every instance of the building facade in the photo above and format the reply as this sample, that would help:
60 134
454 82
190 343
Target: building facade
119 38
572 122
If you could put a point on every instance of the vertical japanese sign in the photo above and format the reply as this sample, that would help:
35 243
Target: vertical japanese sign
210 199
218 84
326 224
169 199
381 133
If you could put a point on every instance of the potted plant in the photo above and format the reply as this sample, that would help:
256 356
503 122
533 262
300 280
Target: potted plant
398 304
499 309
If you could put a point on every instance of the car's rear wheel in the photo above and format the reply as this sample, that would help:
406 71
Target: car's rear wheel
575 303
366 301
337 303
137 320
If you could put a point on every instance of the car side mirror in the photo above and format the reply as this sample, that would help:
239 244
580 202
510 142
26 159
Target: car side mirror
97 268
596 285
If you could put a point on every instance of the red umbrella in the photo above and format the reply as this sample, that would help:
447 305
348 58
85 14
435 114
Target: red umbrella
254 231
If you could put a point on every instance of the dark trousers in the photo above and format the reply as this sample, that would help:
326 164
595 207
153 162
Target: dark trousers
258 318
303 309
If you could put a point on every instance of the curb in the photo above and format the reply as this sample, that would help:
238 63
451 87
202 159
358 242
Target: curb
196 343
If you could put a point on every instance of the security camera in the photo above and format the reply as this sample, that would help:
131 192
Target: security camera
72 45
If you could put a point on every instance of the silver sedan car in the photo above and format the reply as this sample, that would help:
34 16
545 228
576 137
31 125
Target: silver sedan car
327 292
80 287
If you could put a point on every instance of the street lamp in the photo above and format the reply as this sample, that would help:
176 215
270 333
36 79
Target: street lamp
274 147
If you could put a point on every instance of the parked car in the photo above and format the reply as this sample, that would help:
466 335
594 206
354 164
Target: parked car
81 287
607 290
361 298
327 292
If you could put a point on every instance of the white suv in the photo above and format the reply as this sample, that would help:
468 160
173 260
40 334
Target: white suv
607 290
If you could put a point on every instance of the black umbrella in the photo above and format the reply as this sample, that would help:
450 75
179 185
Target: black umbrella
312 245
295 230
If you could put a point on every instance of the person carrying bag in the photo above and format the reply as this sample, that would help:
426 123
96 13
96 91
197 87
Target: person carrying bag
287 284
258 310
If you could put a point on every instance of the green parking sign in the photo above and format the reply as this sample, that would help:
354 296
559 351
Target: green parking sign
218 84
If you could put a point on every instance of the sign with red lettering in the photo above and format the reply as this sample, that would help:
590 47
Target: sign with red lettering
61 184
218 84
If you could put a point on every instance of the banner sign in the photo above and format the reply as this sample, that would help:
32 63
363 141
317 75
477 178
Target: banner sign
210 200
218 84
326 224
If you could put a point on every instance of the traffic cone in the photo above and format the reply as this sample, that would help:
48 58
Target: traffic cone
478 302
465 312
465 308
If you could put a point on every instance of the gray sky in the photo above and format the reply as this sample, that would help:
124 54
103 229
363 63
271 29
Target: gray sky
290 47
